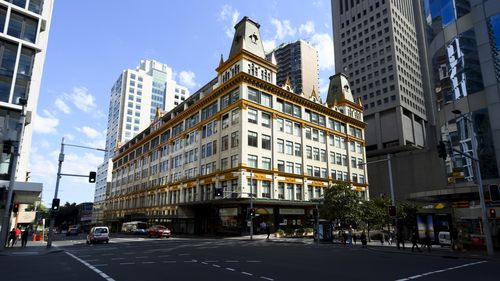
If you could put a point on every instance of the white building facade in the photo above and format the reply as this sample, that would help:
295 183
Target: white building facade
195 168
136 96
24 31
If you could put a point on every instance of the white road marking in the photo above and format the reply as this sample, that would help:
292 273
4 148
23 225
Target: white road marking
231 261
148 262
184 254
215 265
439 271
204 262
230 269
169 261
191 261
253 261
266 278
246 273
92 260
142 257
211 261
116 259
102 264
102 274
126 263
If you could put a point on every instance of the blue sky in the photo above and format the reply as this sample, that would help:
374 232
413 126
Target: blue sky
92 41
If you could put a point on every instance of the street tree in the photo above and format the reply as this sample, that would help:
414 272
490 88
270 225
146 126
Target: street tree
341 203
374 213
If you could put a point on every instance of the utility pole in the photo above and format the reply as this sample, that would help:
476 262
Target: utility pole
14 158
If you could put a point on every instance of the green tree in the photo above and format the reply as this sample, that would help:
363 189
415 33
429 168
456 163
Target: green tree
66 216
374 213
407 215
341 203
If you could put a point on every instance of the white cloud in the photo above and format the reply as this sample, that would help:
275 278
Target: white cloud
62 106
324 45
229 13
306 28
89 132
46 124
82 99
323 87
186 78
283 28
269 45
69 137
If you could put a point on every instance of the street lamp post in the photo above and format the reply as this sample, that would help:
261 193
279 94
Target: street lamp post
475 158
14 158
389 168
251 205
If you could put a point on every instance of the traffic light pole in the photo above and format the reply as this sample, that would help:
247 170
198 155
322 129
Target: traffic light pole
52 220
17 148
59 174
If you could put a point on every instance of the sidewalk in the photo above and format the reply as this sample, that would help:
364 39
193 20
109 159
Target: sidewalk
32 248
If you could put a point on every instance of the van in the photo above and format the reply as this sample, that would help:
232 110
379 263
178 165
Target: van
98 234
444 238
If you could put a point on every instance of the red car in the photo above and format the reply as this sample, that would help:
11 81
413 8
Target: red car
159 231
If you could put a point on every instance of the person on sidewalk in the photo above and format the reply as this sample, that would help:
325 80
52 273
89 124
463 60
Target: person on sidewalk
12 238
428 242
18 234
363 240
24 237
414 241
268 230
262 226
399 239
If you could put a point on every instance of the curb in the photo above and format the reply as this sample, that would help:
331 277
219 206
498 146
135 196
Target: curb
433 254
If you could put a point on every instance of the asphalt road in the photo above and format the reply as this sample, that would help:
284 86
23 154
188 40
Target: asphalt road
133 258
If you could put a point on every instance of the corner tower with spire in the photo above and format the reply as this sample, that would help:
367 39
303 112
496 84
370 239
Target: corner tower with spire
247 55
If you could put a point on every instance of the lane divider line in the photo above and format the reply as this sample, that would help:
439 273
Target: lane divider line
102 274
439 271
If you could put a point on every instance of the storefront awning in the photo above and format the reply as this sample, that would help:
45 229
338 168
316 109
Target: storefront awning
24 192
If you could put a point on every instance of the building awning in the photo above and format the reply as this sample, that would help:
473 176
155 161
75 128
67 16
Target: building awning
24 192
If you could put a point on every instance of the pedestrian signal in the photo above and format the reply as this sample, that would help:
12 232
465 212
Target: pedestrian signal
252 212
392 211
55 204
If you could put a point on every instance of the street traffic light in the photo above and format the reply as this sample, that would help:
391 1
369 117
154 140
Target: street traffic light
494 192
15 207
92 176
218 192
55 204
441 148
251 212
392 211
493 213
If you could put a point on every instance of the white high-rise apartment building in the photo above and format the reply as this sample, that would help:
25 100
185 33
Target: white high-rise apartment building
136 96
376 46
24 31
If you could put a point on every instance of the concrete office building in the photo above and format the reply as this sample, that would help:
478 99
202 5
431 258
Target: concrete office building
297 62
24 31
136 97
195 168
380 45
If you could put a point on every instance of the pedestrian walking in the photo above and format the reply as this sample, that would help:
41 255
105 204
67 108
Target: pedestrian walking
414 241
382 238
268 230
389 240
349 233
363 239
24 237
354 238
428 242
18 234
399 239
262 227
12 238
